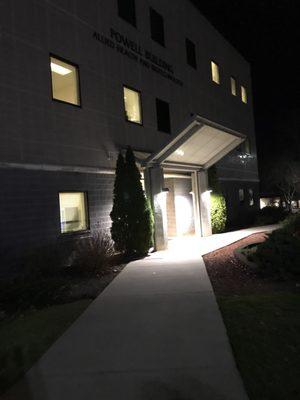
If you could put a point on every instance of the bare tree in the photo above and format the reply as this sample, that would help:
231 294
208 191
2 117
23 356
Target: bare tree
285 177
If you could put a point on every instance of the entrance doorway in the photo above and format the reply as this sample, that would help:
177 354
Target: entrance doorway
180 204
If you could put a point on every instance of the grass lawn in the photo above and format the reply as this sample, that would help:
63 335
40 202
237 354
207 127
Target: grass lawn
264 334
26 337
262 318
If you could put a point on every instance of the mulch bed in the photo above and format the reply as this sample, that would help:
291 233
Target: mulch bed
229 276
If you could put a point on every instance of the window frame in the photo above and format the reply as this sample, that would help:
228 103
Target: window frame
247 146
246 94
212 61
153 11
241 201
124 19
233 78
78 81
251 197
157 99
86 209
140 104
189 42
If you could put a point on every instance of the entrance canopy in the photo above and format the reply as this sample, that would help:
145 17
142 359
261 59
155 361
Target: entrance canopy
200 144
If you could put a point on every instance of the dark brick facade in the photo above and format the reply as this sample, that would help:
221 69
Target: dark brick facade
240 214
29 208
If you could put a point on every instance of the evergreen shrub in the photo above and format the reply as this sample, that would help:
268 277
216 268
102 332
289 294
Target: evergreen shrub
279 255
270 215
132 219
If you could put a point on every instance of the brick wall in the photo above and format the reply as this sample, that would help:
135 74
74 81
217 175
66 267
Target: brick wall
29 208
240 214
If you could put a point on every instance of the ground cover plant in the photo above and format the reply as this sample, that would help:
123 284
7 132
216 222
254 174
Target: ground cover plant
279 255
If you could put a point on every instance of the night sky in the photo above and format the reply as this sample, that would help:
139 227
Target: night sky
265 33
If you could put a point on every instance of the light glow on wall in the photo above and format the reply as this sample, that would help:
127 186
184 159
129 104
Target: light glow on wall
206 212
184 215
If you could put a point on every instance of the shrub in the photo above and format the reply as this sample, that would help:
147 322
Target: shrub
292 225
270 215
92 255
218 213
132 220
139 213
118 213
279 255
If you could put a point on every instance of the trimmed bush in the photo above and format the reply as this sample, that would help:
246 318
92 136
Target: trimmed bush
139 213
92 255
270 215
132 219
218 213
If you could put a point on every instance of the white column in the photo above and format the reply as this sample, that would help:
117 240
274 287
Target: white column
196 204
204 202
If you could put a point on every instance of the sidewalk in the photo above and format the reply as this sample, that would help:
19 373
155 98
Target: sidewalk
155 333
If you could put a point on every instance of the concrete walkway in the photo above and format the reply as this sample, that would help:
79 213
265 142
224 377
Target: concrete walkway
155 333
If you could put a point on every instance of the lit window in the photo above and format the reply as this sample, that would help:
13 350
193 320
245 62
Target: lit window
65 85
233 86
73 212
251 197
244 94
215 75
241 195
132 104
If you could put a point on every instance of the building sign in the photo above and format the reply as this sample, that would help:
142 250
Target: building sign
133 50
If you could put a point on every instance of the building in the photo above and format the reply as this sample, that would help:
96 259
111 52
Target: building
80 81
